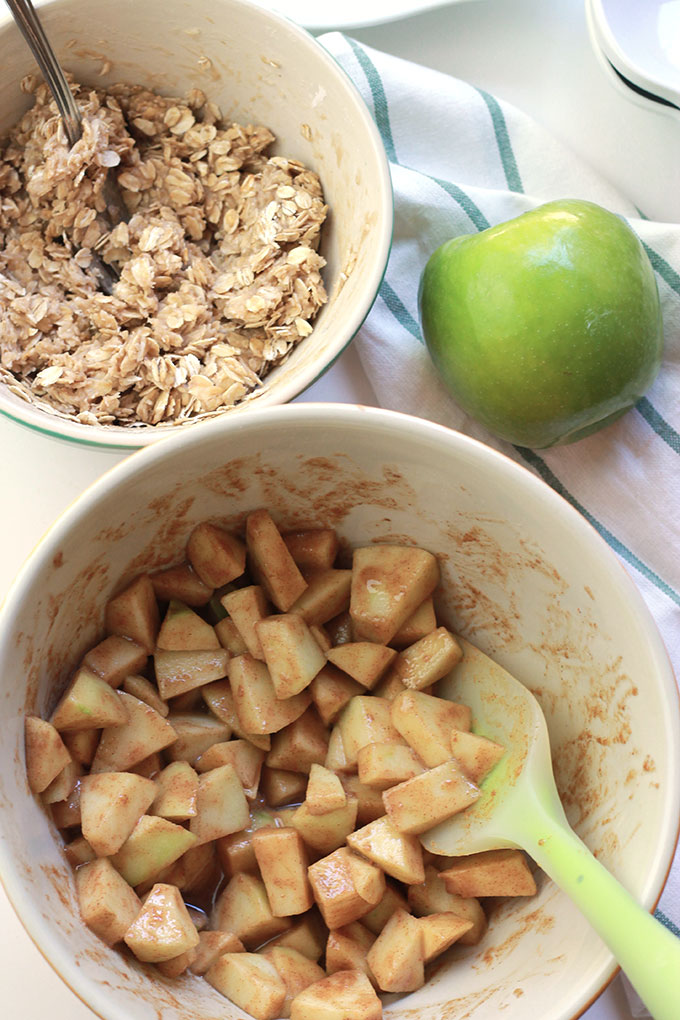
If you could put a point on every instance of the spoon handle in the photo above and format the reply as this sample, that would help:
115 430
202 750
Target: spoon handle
24 15
648 953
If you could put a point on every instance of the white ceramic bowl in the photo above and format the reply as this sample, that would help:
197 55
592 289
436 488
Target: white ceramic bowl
262 69
524 576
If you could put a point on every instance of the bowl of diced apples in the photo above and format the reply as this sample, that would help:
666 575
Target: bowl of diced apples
226 730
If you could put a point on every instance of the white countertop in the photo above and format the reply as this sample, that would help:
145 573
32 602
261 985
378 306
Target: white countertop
533 53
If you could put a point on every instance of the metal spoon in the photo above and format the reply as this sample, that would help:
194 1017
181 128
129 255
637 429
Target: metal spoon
519 807
30 27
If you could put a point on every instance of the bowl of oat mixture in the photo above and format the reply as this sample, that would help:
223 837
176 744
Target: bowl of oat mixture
259 226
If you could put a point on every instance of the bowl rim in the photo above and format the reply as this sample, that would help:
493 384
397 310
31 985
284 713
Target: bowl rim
117 437
342 417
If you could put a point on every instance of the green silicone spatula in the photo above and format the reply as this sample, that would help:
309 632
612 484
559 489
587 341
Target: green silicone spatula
519 807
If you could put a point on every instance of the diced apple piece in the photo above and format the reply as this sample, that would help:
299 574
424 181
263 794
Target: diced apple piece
425 722
220 700
153 844
271 561
163 928
388 584
79 851
325 792
145 731
278 786
385 765
366 720
490 873
259 710
184 630
246 607
422 622
399 855
314 549
108 905
88 703
295 970
331 690
364 661
176 792
142 689
134 613
324 833
335 891
66 813
336 758
282 859
236 852
229 636
216 556
111 804
326 596
179 672
114 658
397 958
376 919
427 660
301 744
222 807
347 993
440 931
246 759
212 945
422 802
348 947
370 799
63 786
178 964
476 755
182 583
432 897
290 651
82 745
195 733
243 908
307 934
251 982
46 753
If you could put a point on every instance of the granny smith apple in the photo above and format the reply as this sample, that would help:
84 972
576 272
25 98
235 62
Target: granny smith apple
546 327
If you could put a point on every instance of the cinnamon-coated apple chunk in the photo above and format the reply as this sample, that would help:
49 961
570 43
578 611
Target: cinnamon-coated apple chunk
397 957
163 928
422 802
345 887
291 652
251 982
271 562
425 723
389 582
108 905
216 556
46 753
282 859
347 993
503 872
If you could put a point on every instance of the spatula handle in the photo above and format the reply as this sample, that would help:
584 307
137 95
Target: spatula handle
648 952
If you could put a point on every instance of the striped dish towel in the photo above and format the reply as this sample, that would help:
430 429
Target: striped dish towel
461 161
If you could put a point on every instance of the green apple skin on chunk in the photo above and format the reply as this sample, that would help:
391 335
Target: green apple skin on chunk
547 327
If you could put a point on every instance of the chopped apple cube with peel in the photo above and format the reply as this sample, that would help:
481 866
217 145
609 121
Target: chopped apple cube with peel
440 931
222 806
179 672
108 905
344 995
163 928
257 707
291 652
490 873
315 549
181 582
325 792
88 703
301 744
476 755
176 792
153 844
195 732
114 658
422 802
282 860
331 690
389 582
397 957
216 556
295 970
385 765
184 630
271 562
427 660
246 607
425 723
46 753
134 614
397 853
212 945
243 908
364 661
326 595
111 804
251 982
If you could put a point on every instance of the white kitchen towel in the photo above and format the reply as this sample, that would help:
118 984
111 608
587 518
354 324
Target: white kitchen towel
461 161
